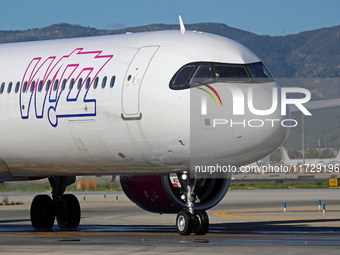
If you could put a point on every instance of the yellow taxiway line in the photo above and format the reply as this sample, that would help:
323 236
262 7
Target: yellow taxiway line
232 214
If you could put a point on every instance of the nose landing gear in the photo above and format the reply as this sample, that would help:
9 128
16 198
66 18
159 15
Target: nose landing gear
201 223
184 223
198 223
189 220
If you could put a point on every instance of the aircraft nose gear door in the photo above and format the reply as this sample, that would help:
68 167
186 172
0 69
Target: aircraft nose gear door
133 81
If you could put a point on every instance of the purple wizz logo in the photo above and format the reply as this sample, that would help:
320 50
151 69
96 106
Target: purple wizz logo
40 74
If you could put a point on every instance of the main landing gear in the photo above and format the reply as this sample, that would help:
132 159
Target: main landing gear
64 207
188 219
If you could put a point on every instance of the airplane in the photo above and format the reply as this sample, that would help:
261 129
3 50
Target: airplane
318 163
123 105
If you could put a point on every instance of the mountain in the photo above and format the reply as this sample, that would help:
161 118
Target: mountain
305 55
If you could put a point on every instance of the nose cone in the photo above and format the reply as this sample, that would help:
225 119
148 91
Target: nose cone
242 125
262 128
261 136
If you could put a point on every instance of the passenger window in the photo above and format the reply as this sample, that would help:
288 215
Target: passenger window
48 85
112 83
63 85
87 85
9 89
2 88
80 82
95 84
182 77
40 86
56 83
203 75
25 87
32 86
71 84
104 82
17 87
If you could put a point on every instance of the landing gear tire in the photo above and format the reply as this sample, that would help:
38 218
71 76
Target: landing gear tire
184 223
201 223
68 217
42 212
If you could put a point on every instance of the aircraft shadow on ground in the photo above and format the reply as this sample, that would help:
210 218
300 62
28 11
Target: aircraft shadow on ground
269 227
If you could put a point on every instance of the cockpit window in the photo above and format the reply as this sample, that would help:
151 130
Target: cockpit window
259 72
183 76
231 72
195 74
203 74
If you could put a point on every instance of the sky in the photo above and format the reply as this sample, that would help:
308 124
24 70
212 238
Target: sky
263 17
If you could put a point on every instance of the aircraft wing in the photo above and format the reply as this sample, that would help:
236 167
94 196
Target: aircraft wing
317 105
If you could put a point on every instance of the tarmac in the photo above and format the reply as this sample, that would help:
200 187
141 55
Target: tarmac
244 222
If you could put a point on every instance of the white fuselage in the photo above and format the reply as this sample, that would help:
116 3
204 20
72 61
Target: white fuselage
134 125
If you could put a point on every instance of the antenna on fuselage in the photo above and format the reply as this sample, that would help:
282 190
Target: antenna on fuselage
181 24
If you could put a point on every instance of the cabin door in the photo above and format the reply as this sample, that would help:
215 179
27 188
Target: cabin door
133 81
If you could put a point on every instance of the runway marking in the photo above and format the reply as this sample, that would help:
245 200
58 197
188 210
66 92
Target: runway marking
232 214
12 203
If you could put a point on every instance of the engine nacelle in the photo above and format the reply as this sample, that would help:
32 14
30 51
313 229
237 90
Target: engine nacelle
157 194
